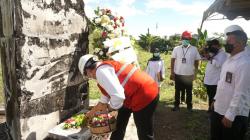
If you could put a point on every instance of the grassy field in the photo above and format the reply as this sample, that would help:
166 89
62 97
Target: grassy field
167 88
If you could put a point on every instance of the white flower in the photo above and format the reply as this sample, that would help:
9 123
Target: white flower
97 20
104 24
101 53
118 23
109 27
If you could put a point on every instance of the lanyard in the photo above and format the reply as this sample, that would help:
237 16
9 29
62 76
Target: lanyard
184 54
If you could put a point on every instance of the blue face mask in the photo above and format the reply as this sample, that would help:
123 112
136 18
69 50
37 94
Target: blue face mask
185 42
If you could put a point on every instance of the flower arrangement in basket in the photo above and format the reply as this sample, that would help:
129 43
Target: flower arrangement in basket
102 123
75 121
110 39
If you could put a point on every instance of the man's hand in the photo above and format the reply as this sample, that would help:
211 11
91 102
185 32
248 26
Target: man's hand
206 55
226 122
100 107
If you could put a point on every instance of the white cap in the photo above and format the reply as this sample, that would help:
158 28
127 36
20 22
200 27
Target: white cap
82 62
232 28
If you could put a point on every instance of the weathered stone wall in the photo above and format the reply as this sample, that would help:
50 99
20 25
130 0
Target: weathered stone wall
41 42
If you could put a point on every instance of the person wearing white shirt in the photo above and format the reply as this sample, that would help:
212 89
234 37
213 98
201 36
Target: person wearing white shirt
215 57
124 88
184 66
155 67
229 121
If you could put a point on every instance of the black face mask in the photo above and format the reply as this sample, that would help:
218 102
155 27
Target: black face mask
229 47
213 50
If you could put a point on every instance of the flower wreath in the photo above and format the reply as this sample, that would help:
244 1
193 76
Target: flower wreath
107 26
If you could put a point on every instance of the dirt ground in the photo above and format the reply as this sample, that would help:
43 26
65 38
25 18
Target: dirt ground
181 125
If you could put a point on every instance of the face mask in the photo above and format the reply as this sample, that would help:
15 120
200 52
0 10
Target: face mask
214 50
229 48
156 54
185 42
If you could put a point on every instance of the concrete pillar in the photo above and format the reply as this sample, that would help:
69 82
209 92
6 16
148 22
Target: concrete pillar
41 42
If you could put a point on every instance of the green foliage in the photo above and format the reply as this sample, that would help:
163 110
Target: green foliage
146 41
199 88
202 38
150 42
174 40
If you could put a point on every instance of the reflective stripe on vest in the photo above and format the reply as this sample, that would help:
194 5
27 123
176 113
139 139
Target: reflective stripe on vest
122 69
132 71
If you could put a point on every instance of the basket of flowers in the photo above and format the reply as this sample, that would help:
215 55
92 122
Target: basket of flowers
102 123
75 122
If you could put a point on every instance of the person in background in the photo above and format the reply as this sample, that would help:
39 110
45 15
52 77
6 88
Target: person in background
155 67
215 56
229 120
184 67
124 88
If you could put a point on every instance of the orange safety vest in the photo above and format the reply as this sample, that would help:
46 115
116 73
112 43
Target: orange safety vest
140 89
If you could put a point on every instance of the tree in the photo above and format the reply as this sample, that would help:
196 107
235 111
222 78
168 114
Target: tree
174 40
147 40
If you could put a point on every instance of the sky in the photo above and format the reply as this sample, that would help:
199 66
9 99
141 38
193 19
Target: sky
164 17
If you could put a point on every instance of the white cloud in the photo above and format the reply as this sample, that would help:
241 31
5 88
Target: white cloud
212 26
195 8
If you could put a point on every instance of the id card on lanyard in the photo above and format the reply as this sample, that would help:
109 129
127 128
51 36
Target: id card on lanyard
184 60
229 77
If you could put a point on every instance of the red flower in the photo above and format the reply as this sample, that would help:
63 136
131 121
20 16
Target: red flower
104 34
115 19
122 24
115 26
69 120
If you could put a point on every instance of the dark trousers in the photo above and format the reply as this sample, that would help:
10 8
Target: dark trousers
183 83
143 121
183 99
211 91
236 132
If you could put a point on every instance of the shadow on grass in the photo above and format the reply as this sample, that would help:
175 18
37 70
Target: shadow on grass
180 125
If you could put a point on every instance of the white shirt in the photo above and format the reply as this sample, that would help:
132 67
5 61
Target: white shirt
247 49
191 54
233 99
154 67
107 79
213 68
